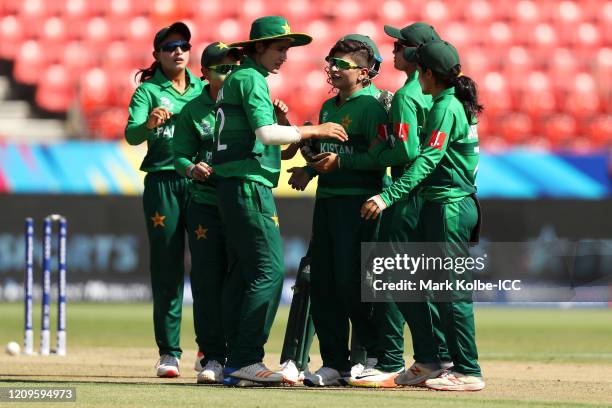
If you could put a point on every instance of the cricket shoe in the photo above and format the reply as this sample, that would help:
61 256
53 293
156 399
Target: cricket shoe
290 372
418 373
375 378
454 381
257 372
167 366
212 373
358 368
197 366
325 377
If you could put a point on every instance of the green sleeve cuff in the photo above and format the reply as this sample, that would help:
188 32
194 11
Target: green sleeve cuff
385 197
135 135
181 164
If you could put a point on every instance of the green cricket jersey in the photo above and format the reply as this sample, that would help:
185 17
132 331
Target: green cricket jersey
446 167
244 105
193 143
153 93
409 110
364 119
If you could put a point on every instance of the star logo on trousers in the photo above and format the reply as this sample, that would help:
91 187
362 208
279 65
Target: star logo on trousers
201 233
158 220
275 219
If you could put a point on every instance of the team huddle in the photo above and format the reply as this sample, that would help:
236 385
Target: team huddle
214 156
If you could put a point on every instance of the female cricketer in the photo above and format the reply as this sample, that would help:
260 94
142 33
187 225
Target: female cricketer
193 145
246 162
166 86
445 171
409 109
347 176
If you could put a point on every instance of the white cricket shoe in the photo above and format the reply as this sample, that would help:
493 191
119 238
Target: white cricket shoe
167 366
454 381
358 368
212 373
324 377
257 372
290 372
197 366
418 373
375 378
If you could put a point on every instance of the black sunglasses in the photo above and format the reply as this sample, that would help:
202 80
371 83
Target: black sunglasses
172 45
399 45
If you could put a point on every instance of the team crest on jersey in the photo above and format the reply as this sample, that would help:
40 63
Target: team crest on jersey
165 102
207 129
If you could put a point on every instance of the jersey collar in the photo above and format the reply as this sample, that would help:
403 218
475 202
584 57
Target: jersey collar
248 62
368 90
446 92
160 79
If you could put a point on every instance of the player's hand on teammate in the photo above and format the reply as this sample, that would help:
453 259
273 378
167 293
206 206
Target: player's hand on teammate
299 178
157 117
325 162
281 110
327 130
370 210
201 171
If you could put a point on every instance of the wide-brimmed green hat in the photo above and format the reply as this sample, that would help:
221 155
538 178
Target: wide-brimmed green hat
273 28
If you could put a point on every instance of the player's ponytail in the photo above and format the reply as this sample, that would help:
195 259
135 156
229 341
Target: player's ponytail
467 93
465 90
145 73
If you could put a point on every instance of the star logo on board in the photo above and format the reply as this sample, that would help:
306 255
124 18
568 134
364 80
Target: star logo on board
201 233
275 219
158 220
346 122
222 45
286 28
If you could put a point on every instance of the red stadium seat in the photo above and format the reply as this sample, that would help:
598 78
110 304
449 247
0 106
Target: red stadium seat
112 123
55 93
600 131
478 12
559 128
499 35
457 33
95 91
12 36
140 33
394 12
525 11
77 58
29 63
515 127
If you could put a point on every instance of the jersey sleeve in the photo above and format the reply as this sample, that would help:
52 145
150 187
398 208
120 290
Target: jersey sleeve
256 102
438 129
136 131
403 144
375 128
185 143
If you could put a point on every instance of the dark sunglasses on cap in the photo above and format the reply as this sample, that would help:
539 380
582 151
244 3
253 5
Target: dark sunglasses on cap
341 64
223 69
172 45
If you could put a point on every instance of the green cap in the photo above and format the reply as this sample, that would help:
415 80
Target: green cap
273 28
367 41
215 52
439 56
178 27
414 34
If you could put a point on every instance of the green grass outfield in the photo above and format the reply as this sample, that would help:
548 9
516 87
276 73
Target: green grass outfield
555 341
